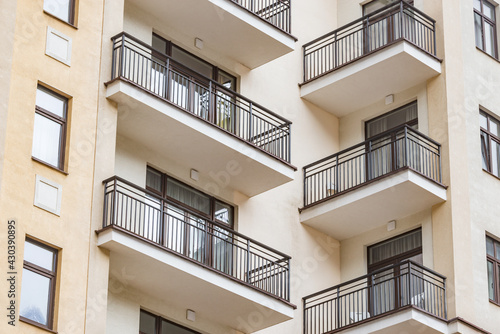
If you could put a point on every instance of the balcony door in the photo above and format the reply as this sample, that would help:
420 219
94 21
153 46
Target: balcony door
190 87
187 226
382 28
394 288
385 149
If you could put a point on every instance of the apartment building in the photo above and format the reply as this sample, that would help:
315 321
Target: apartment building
250 166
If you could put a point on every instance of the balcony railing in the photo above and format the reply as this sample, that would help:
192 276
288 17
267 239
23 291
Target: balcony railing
161 222
388 290
276 12
137 63
371 160
388 25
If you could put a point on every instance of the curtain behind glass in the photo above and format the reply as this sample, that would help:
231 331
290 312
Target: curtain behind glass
188 196
394 247
392 119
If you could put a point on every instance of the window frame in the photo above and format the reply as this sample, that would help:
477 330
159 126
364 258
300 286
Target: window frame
52 276
486 19
496 271
71 16
62 121
489 138
158 323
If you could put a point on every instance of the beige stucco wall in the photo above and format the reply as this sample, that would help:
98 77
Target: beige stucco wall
70 232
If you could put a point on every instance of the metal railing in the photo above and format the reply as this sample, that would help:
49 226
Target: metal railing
160 75
384 291
276 12
194 237
388 25
388 152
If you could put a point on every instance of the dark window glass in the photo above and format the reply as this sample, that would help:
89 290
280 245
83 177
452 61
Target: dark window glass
493 265
407 114
38 283
485 27
152 324
490 143
49 127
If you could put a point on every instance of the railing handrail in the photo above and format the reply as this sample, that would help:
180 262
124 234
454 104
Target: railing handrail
364 277
378 11
379 136
226 228
213 83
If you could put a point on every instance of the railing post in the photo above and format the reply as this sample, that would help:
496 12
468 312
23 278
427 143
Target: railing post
248 262
401 13
336 187
440 171
304 64
162 238
445 301
289 274
337 317
250 120
369 161
122 57
305 187
211 102
406 163
434 34
115 203
335 51
289 143
409 284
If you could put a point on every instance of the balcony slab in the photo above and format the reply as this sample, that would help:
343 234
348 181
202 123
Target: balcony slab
156 272
374 204
250 40
192 142
361 83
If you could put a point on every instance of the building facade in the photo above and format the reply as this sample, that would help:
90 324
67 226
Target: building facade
250 166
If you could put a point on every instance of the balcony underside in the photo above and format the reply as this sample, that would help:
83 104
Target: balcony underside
183 284
409 320
224 27
391 70
369 206
217 155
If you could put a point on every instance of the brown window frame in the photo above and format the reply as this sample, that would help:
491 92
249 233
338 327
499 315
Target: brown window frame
496 271
63 121
158 323
486 19
52 275
486 144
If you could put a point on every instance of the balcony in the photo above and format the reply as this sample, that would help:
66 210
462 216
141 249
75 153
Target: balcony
196 121
404 298
251 32
382 53
391 176
180 256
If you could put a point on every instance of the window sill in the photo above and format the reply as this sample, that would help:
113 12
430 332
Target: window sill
36 324
482 51
61 20
494 303
49 165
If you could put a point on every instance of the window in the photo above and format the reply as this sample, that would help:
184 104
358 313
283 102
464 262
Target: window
38 284
485 27
62 9
493 260
49 134
490 143
152 324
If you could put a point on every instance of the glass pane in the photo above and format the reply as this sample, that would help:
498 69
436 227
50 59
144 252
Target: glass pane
153 179
477 5
375 5
489 39
58 8
489 247
494 126
497 250
191 62
394 247
50 102
159 44
483 121
478 27
38 255
188 196
46 140
227 80
147 323
484 150
224 213
170 328
35 290
489 10
495 158
391 120
491 281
